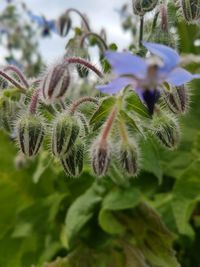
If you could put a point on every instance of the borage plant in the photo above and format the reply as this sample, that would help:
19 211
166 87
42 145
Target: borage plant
95 120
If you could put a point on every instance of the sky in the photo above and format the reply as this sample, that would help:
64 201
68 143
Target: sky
101 13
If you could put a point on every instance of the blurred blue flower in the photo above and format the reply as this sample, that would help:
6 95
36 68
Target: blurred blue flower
46 25
146 76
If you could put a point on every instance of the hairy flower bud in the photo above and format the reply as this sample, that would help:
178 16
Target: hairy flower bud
191 9
64 135
72 162
140 7
167 131
8 110
129 157
100 157
30 134
63 25
178 100
55 83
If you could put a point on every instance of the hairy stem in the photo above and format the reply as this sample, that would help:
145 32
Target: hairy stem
108 125
80 101
11 80
81 15
101 41
141 30
18 73
34 101
80 61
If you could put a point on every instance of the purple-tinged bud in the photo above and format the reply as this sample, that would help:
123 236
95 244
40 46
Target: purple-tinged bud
3 83
65 132
55 83
63 25
191 10
167 130
101 154
129 158
178 99
140 7
72 162
30 134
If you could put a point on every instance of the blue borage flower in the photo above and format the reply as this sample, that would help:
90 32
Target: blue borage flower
47 25
146 76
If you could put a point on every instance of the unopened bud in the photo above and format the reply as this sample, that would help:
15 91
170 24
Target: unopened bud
55 83
30 134
100 157
72 162
178 99
63 25
167 131
140 7
64 135
191 10
129 157
3 83
8 111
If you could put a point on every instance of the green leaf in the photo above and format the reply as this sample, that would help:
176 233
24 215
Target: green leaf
82 210
132 125
117 199
104 109
133 103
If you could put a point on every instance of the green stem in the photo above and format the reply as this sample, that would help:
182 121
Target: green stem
141 31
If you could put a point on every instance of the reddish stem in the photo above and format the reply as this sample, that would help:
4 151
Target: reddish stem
108 125
18 73
80 61
11 80
80 101
34 101
81 15
164 18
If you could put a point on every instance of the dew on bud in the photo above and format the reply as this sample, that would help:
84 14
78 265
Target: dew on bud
63 25
72 162
191 10
140 7
55 83
129 157
178 99
65 132
30 134
100 157
167 130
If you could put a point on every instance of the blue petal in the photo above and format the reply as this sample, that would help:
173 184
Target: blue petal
114 86
126 63
180 76
169 56
40 20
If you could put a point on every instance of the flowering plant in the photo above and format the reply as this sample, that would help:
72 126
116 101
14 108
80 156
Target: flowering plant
106 157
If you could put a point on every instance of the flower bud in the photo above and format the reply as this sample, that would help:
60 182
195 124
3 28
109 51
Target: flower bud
8 110
55 83
140 7
129 157
178 100
30 134
72 162
191 10
64 135
167 131
3 83
100 157
63 25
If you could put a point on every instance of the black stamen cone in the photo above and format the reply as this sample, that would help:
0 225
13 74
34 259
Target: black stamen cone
150 98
